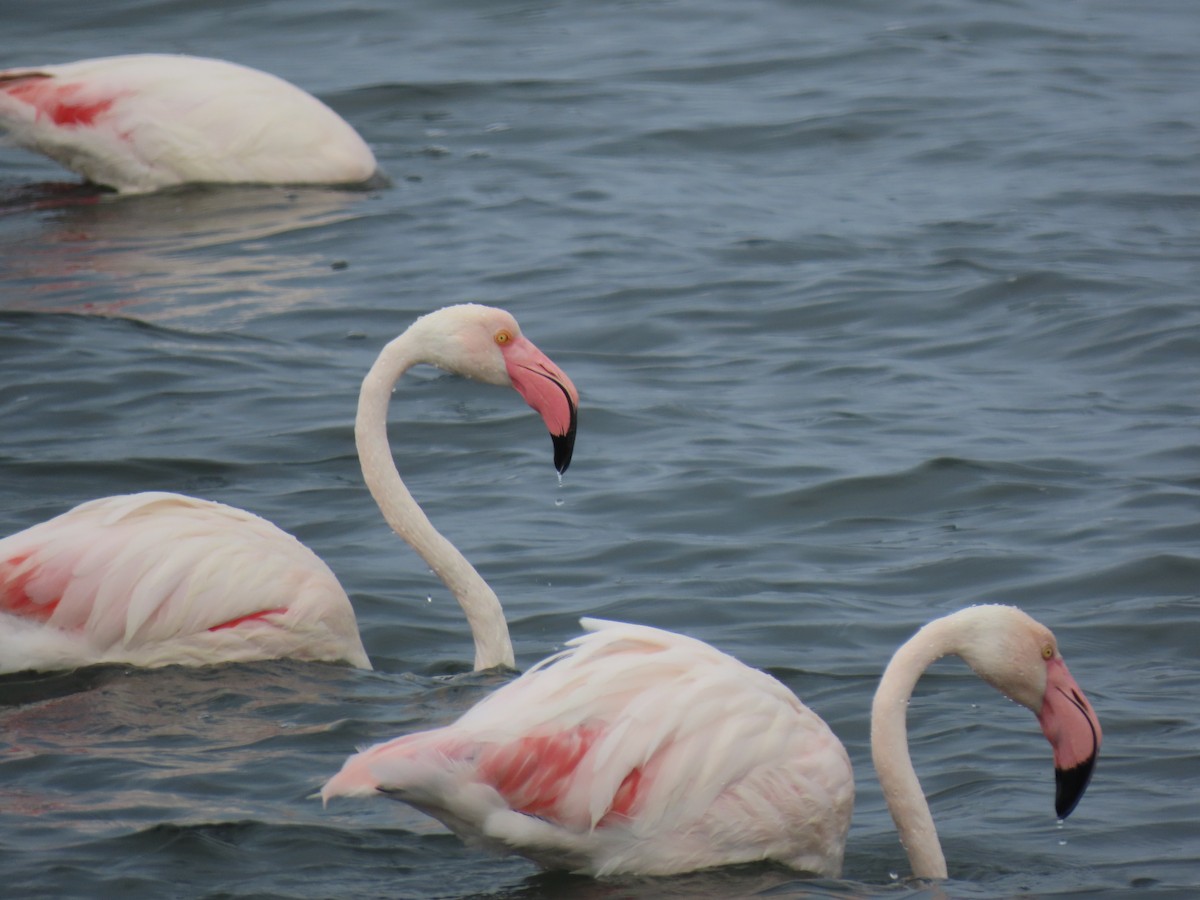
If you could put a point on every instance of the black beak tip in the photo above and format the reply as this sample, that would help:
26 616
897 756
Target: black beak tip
564 447
564 444
1070 785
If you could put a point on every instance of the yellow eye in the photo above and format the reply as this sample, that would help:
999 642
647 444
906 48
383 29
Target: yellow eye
503 336
1048 652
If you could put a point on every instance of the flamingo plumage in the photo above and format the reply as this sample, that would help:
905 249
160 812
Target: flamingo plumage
641 751
143 122
155 579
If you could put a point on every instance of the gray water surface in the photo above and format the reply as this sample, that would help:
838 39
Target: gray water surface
876 310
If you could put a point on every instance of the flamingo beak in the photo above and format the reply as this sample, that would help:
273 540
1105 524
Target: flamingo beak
1071 727
548 390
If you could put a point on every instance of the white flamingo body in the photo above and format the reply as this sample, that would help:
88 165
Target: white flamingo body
143 122
157 579
153 579
639 751
635 751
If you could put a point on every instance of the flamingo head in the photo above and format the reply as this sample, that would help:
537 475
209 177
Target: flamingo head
1019 656
486 344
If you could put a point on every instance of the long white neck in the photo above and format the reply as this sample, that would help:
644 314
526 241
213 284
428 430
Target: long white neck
478 601
889 746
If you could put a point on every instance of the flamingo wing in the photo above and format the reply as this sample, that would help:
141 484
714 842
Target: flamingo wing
635 750
155 579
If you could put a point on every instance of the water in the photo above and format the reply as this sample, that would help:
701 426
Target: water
876 311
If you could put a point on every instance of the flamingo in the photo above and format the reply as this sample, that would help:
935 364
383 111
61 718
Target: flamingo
148 121
641 751
155 579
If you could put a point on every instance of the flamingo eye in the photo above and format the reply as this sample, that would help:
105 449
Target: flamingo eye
503 336
1048 652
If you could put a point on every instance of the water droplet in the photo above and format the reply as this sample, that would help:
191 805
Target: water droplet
559 501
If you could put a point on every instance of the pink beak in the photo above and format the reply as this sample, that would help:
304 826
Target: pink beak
548 390
1071 727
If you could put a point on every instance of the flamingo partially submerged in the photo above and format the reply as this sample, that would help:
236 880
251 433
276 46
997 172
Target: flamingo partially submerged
143 122
641 751
157 579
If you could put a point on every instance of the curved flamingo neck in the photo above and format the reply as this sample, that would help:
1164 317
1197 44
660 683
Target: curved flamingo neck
889 745
478 601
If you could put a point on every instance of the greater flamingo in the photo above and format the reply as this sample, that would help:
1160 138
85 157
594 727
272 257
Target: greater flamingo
157 579
143 122
640 751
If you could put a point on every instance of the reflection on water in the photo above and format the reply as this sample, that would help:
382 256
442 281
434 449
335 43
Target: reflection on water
117 748
170 257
